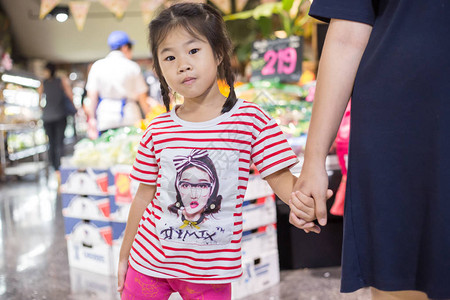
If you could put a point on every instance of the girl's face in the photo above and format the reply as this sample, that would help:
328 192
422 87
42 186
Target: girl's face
195 189
188 64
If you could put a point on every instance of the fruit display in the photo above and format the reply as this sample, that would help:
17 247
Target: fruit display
285 103
114 147
156 110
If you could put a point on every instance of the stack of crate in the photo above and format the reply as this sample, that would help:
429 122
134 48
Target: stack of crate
96 203
259 240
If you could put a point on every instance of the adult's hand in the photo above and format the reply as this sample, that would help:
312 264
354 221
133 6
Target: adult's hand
313 183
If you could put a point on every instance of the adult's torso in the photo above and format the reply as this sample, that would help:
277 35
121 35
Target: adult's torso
54 96
114 77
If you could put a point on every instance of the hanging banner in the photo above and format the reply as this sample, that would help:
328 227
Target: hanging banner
117 7
46 7
79 11
240 4
148 8
223 5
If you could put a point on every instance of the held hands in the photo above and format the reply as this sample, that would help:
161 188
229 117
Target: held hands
302 212
308 201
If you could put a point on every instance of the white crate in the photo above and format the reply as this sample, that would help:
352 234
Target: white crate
89 245
257 188
258 274
259 212
258 241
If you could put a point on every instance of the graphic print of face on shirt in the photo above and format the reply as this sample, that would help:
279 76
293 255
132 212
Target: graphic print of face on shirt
197 187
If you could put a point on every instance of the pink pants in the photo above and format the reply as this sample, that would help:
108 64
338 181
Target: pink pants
142 287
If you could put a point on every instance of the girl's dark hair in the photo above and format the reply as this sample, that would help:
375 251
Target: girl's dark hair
199 20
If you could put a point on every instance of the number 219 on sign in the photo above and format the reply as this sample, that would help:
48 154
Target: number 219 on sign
285 59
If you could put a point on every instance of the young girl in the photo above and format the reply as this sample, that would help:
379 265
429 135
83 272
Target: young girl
185 224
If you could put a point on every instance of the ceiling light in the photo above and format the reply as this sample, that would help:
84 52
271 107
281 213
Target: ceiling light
61 17
60 13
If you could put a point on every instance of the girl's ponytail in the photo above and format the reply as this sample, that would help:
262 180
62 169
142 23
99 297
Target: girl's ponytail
229 77
165 94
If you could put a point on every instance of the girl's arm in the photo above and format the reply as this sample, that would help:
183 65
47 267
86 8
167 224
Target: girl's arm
142 199
302 207
344 46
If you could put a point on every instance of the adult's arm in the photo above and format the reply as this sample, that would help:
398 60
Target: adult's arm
344 46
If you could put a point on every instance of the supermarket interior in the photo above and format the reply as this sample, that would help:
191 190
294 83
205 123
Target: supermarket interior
61 230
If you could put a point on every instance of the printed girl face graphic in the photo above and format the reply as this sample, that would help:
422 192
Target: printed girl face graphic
188 63
195 188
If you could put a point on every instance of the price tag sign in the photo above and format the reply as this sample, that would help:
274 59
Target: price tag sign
277 59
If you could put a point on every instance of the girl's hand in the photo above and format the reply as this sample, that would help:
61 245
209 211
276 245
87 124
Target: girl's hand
121 274
302 212
313 183
302 206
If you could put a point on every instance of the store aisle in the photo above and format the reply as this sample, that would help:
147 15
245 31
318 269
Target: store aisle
34 265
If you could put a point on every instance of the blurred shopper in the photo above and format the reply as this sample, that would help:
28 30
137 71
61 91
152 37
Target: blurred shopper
116 88
391 57
56 91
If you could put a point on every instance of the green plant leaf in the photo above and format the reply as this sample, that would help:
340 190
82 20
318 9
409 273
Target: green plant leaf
239 16
287 4
266 10
265 24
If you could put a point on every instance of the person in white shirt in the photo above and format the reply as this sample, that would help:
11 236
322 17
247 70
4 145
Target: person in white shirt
116 88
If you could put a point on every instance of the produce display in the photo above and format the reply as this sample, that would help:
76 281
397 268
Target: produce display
18 141
114 147
19 104
156 110
285 103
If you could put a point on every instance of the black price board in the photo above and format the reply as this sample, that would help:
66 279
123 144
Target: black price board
277 59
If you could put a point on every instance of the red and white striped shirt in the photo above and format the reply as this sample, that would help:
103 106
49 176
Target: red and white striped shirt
192 229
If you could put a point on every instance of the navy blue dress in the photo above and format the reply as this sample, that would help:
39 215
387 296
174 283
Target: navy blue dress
397 210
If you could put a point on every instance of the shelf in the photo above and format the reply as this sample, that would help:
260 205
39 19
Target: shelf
25 168
17 126
27 152
20 168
